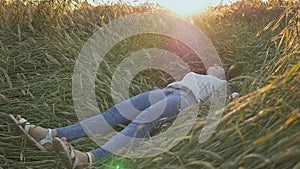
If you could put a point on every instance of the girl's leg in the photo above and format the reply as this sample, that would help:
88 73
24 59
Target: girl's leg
146 121
96 124
121 113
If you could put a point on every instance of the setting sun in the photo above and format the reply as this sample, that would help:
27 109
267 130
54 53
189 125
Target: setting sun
186 7
180 7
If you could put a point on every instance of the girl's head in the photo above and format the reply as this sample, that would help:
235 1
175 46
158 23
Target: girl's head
216 71
220 73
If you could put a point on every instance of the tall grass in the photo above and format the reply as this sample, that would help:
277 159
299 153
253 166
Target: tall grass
40 41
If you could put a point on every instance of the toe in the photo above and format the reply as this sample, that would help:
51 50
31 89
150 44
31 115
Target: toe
64 139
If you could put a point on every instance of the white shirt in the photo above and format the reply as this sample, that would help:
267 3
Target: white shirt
200 85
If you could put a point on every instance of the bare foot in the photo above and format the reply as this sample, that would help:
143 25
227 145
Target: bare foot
40 133
83 160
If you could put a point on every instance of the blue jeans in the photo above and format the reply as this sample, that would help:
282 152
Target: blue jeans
143 114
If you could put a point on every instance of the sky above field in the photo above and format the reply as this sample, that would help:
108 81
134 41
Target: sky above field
181 7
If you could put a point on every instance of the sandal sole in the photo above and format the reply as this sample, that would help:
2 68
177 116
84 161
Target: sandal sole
62 152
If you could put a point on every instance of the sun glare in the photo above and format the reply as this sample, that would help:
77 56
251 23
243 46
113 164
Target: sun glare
186 7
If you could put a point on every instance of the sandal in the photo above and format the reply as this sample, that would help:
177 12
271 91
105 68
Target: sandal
40 144
68 155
